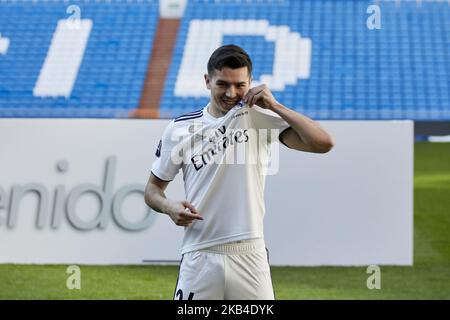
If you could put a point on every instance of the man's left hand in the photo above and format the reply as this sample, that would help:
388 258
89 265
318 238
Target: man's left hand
260 96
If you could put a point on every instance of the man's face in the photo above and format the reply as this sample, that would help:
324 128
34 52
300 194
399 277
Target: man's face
228 86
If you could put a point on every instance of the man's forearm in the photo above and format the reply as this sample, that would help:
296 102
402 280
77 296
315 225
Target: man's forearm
307 129
156 199
176 210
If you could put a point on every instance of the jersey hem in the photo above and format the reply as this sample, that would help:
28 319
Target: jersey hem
211 243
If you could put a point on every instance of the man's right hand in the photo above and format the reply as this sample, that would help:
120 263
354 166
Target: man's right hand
183 213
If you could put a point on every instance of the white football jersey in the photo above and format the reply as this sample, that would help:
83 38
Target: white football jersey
224 163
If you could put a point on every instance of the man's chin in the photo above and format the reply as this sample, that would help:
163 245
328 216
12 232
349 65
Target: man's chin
226 107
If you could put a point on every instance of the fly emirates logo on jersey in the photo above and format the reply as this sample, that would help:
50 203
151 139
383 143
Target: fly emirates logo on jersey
218 143
201 147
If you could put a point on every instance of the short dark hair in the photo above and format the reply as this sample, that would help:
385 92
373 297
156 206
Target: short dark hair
231 56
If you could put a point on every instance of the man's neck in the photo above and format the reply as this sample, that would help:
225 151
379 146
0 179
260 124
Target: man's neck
215 112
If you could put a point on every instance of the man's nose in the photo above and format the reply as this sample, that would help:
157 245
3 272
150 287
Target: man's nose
231 92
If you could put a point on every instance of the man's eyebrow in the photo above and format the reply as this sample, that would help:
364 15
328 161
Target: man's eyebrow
225 82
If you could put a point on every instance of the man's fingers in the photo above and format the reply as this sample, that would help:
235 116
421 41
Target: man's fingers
190 207
255 98
252 97
191 216
184 222
254 91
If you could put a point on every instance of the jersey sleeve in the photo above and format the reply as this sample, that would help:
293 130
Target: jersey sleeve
165 166
267 119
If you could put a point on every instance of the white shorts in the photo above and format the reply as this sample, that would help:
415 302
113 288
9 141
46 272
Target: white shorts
232 271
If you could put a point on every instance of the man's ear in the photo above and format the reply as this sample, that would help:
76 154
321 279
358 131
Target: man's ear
207 81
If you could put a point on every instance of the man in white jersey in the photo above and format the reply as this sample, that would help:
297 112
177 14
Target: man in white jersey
223 150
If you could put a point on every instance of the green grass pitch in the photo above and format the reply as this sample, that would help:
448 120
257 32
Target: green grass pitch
427 279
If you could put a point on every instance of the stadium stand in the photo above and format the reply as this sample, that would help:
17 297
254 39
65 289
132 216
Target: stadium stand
400 71
50 69
319 57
